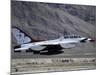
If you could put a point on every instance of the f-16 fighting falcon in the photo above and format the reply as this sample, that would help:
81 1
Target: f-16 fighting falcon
25 42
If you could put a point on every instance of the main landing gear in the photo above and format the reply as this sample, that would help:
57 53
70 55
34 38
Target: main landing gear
34 52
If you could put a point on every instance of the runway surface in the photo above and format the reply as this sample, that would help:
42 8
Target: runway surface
81 50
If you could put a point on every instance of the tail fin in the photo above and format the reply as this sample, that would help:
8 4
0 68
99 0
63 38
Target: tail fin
20 36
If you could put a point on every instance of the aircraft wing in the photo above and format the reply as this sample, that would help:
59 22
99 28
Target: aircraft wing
68 45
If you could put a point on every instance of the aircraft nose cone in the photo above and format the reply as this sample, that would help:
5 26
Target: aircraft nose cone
91 40
87 40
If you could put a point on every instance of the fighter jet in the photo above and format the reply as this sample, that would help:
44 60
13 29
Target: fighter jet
26 43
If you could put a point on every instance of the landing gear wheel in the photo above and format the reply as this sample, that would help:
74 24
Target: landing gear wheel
17 51
53 50
29 50
36 52
50 51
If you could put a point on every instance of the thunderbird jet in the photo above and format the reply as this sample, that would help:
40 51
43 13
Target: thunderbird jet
26 43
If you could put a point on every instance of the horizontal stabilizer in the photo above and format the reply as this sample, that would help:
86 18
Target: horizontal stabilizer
24 48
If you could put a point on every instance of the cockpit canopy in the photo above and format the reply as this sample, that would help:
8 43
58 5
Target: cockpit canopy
72 36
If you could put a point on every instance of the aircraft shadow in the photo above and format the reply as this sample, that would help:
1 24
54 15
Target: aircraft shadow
52 52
